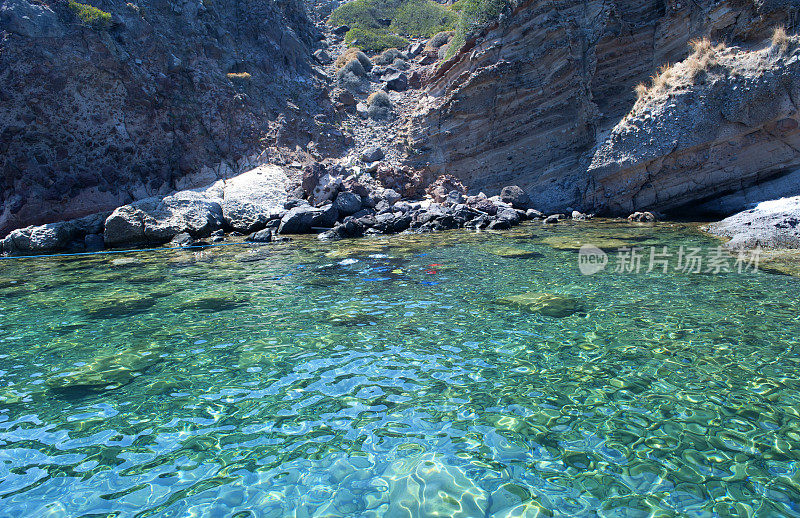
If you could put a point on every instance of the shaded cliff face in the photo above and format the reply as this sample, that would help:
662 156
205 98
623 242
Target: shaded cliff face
529 99
93 117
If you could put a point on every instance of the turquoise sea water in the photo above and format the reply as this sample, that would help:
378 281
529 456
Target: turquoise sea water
382 377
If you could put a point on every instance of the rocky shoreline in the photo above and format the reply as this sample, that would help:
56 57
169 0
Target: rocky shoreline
267 205
332 203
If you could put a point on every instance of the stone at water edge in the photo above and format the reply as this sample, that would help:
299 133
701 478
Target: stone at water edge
642 217
771 224
262 236
298 220
347 203
182 239
547 304
252 197
515 196
553 218
326 217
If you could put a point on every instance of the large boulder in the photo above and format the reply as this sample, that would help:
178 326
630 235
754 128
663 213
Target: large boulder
298 220
252 197
52 236
347 203
771 224
515 196
153 220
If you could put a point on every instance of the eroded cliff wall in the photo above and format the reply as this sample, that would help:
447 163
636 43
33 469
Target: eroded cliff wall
528 100
95 114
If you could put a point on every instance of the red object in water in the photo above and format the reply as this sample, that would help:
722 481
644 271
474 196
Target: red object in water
430 272
434 265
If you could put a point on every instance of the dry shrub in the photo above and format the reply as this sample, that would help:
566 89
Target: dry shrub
351 54
780 39
379 98
239 76
702 59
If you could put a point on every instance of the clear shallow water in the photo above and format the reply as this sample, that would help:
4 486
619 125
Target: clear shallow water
277 381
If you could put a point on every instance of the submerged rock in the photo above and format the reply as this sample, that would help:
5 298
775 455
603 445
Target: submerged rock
119 304
212 301
510 252
547 304
575 243
106 372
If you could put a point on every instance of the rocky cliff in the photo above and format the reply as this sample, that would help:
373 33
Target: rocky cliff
719 125
101 105
530 99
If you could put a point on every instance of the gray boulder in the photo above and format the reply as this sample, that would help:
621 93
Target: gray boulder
252 197
372 154
347 203
154 220
771 224
397 82
515 196
391 196
262 236
326 217
52 236
298 220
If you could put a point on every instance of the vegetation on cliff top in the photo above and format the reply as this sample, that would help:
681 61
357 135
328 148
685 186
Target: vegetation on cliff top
704 58
472 15
376 25
90 16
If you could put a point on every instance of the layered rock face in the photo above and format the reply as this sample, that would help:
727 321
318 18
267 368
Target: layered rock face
530 99
96 113
724 123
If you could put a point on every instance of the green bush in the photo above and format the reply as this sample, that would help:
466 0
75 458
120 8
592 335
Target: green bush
421 18
373 40
90 16
472 14
411 18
